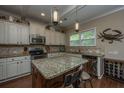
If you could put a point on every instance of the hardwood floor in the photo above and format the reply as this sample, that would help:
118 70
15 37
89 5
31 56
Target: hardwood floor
26 82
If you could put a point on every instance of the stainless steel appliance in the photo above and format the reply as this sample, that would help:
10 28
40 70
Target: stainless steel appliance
37 53
37 39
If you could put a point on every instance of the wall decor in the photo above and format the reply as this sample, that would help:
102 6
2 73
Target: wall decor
111 35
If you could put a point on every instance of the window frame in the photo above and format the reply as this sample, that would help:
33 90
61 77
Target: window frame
94 28
75 40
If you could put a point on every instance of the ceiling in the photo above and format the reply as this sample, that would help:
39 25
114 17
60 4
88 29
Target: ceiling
85 12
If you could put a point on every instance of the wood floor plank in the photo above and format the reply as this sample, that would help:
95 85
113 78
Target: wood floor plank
26 82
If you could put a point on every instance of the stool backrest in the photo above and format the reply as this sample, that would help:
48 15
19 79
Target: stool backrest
68 80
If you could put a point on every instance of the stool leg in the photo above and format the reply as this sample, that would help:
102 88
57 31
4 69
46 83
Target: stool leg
84 84
91 84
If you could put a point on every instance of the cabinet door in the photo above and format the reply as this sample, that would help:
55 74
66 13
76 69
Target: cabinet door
12 69
2 32
52 38
25 67
47 34
2 70
24 35
12 33
62 39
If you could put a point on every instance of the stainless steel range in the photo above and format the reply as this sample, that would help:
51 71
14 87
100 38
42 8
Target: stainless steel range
37 53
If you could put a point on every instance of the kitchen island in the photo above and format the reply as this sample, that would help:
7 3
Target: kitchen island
50 72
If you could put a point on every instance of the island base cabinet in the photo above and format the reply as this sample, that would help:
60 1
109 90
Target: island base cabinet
38 81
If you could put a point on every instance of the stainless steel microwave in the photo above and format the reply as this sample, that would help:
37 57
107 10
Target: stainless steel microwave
37 39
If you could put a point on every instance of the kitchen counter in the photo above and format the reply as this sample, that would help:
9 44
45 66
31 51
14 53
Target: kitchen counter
53 67
93 54
15 55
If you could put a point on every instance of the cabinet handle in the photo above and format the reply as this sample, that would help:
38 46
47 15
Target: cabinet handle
17 62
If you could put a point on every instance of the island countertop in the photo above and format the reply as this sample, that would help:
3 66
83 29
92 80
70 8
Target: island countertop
53 67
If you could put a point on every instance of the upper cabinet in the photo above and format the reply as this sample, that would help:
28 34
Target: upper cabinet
36 28
12 33
2 31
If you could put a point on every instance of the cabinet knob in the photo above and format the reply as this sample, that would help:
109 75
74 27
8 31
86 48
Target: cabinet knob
17 62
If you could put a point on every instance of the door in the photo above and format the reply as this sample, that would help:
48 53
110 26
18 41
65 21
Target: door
24 34
2 70
25 67
2 32
47 34
12 33
52 38
62 39
12 69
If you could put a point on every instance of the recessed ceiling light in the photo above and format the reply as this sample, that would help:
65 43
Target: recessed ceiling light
60 21
42 14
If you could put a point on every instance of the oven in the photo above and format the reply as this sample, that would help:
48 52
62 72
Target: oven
37 53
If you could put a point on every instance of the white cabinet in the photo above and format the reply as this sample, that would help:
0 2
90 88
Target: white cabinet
62 39
2 69
36 28
17 66
12 33
48 37
12 69
24 34
24 67
57 38
2 32
54 38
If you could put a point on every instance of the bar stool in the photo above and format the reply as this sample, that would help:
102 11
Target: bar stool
68 81
88 76
85 77
73 79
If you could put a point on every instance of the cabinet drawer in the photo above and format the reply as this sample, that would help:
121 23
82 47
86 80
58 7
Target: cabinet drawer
2 60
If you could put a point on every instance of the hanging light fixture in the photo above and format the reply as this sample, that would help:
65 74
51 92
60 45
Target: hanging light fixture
55 16
76 23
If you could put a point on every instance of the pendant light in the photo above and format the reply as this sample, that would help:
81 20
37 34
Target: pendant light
76 23
55 16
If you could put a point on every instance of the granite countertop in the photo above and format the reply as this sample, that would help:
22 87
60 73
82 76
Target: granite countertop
14 55
93 54
53 67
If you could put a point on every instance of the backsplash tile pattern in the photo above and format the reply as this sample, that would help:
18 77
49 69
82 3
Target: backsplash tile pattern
84 49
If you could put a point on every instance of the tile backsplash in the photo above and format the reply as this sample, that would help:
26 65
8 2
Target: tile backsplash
84 49
11 50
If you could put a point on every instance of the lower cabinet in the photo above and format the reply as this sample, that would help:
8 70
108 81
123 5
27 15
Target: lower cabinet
2 70
24 67
17 68
14 67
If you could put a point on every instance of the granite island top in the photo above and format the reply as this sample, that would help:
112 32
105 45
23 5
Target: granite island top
53 67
